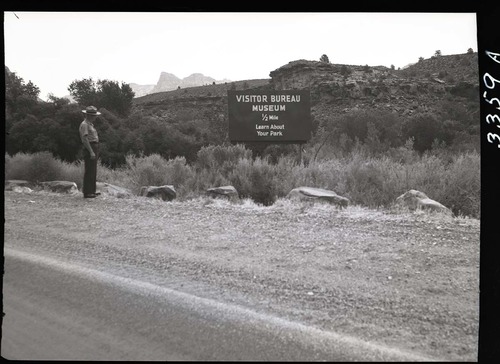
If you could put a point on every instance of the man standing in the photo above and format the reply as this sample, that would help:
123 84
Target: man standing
90 140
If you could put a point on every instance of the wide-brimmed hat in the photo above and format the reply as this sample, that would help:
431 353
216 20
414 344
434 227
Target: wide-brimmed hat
91 110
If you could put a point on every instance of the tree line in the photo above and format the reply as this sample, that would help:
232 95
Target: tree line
33 125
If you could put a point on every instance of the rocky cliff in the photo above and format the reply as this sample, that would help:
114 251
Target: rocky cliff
196 79
337 89
169 82
345 87
166 82
141 90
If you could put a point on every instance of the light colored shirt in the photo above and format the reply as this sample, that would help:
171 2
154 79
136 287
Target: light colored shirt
87 129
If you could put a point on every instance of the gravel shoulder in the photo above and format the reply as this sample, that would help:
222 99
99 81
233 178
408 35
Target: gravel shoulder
405 280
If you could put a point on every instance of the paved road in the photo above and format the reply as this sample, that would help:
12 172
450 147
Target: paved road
60 310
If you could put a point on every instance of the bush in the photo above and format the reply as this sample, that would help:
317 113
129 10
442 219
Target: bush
462 191
219 156
424 128
364 181
41 167
154 170
72 172
255 180
375 182
146 171
37 167
326 174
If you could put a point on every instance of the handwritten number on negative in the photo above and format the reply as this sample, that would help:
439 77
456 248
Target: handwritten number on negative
492 118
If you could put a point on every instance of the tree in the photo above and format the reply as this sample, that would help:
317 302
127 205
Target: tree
420 59
324 59
58 102
470 51
22 134
116 98
103 93
84 92
68 119
437 53
15 86
20 97
392 67
424 128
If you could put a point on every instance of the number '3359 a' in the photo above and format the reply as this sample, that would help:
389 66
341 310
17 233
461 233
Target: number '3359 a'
490 83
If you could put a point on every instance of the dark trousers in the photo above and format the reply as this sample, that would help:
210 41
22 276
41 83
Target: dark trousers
90 174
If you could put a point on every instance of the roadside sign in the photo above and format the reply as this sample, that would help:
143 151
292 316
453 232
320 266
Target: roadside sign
269 116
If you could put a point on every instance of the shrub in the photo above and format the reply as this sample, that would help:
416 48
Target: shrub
255 180
37 167
154 170
204 179
428 176
364 181
376 182
462 190
424 128
325 174
72 172
116 176
217 156
42 166
146 171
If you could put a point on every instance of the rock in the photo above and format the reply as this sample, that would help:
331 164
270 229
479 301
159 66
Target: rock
228 192
414 200
60 186
141 90
196 79
318 194
112 190
166 193
22 189
12 183
169 82
166 82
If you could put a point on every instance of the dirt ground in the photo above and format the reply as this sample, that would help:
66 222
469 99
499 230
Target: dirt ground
408 280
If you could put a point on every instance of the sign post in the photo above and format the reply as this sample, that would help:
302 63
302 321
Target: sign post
269 116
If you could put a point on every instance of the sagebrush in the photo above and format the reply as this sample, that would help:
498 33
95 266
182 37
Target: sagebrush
367 180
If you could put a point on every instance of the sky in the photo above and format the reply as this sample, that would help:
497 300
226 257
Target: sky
53 49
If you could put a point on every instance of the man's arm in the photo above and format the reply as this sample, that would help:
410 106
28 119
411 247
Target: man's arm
86 143
84 136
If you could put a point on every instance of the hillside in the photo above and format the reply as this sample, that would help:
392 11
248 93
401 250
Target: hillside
337 89
217 90
193 101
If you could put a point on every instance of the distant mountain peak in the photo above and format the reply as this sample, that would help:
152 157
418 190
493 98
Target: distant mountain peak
168 82
167 74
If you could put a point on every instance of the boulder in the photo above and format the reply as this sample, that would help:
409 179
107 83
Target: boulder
60 186
318 194
166 193
22 189
13 183
112 190
228 192
414 200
